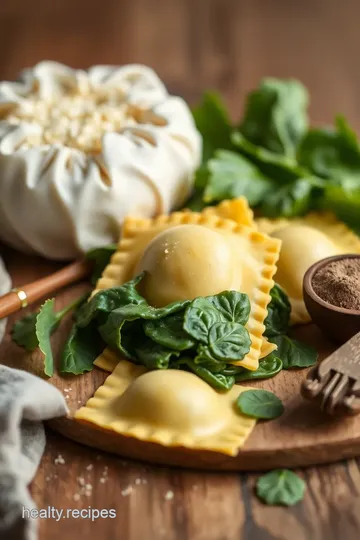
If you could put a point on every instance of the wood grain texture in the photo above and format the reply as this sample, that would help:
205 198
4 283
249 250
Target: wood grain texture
227 45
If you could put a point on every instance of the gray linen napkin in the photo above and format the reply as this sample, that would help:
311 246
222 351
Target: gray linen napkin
25 400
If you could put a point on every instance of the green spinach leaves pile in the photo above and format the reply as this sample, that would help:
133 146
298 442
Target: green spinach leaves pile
203 336
274 159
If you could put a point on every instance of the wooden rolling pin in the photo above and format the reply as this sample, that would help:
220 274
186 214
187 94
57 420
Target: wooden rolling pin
25 295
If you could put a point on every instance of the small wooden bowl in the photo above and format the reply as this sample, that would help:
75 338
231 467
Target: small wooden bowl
339 324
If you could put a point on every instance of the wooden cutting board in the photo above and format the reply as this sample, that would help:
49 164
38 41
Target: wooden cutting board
301 436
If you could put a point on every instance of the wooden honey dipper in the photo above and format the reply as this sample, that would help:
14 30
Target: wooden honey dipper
21 297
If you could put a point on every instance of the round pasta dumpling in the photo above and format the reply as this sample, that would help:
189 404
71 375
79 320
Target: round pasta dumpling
82 150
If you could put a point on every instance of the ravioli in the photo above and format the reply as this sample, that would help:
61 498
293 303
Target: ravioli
305 241
181 254
168 407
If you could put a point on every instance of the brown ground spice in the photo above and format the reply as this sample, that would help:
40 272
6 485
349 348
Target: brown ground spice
338 283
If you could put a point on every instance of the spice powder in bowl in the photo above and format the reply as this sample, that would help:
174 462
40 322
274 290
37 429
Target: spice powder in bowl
338 283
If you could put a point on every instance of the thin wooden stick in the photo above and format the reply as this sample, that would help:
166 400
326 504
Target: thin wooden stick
27 294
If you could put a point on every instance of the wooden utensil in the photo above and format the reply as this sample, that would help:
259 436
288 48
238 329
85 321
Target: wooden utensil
27 294
335 382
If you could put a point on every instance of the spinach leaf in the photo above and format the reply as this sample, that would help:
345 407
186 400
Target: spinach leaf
344 200
45 322
107 300
101 257
294 353
169 332
281 487
278 317
280 168
213 122
232 175
200 316
111 330
332 153
23 332
216 380
229 341
206 359
275 115
260 404
268 367
233 306
82 348
293 199
152 355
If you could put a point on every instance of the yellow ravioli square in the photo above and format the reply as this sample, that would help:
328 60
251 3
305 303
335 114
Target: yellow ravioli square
168 407
306 240
253 256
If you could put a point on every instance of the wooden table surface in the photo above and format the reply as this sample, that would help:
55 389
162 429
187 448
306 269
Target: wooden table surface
194 44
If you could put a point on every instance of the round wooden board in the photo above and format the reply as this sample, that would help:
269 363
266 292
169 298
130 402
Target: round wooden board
301 436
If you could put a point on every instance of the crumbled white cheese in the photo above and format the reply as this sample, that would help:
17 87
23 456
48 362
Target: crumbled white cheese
169 495
59 460
127 491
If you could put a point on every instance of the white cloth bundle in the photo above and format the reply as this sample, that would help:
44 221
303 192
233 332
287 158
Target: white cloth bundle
80 151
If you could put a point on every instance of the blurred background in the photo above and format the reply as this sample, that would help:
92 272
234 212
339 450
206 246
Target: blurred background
195 45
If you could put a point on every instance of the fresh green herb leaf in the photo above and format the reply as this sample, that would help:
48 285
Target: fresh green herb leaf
275 115
216 380
232 175
280 168
101 257
343 199
23 332
46 320
107 300
213 122
169 332
82 348
152 355
290 200
268 367
233 306
280 487
294 353
229 341
206 359
200 316
260 404
278 317
332 153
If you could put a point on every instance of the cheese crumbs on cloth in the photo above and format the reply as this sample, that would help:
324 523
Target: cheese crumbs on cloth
168 407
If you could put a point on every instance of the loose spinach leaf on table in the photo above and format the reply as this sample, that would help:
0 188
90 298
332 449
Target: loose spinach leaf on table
35 329
260 404
278 316
101 257
294 353
268 367
232 175
280 487
81 349
213 122
276 115
229 341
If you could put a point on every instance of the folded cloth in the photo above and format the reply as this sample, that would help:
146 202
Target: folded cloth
25 400
5 286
